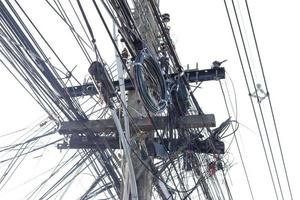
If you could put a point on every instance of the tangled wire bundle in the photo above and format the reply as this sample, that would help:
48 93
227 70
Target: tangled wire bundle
150 82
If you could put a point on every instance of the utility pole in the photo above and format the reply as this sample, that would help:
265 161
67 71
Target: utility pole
138 142
157 144
136 109
143 175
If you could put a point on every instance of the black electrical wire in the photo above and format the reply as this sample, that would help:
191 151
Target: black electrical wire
32 38
237 143
269 99
46 72
81 24
76 172
260 109
14 164
90 31
145 60
51 175
44 172
252 104
114 176
94 167
56 169
125 13
64 177
130 47
76 36
86 21
43 38
23 75
113 41
23 86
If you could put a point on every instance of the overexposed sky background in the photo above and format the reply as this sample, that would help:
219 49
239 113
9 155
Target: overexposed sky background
201 33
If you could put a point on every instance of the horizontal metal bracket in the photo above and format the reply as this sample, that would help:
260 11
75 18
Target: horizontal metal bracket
194 75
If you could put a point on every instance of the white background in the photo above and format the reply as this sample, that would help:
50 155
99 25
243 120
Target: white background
201 33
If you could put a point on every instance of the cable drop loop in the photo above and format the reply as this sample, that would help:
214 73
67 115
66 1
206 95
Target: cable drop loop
150 82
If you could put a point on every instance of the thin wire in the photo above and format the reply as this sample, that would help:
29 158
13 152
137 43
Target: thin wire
237 144
261 112
252 104
77 37
269 98
44 39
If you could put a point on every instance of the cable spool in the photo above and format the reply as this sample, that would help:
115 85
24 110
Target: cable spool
150 82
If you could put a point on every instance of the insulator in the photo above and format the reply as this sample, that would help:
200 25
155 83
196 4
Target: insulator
165 17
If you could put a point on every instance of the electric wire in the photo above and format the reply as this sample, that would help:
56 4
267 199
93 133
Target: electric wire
260 109
269 99
77 37
237 144
173 163
252 104
44 39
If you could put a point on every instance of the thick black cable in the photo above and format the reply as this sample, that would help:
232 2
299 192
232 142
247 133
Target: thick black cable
86 21
70 72
114 177
98 56
31 36
121 26
36 149
145 60
174 55
113 42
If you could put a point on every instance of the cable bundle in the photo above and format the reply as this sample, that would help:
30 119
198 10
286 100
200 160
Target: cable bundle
153 94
